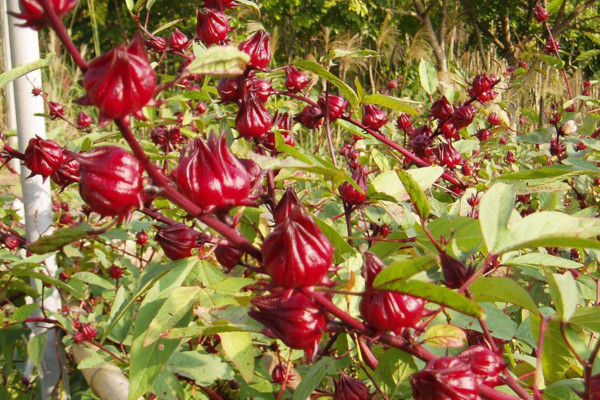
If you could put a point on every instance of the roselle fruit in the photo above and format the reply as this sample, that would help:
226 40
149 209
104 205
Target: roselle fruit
67 173
211 176
257 47
36 17
284 122
422 146
57 110
295 81
220 4
540 14
141 238
448 156
552 46
349 193
260 88
227 256
445 378
403 122
463 116
120 82
494 119
291 317
484 363
179 41
110 180
449 130
84 120
337 105
115 272
212 26
43 156
373 117
384 310
349 388
310 116
296 253
441 109
484 134
12 241
456 272
177 240
253 119
156 43
229 90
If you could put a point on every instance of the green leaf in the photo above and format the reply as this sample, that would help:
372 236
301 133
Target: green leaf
93 279
564 292
59 238
238 347
219 61
197 331
390 184
205 369
587 318
504 290
587 55
312 379
17 72
552 61
129 4
543 260
563 390
36 348
436 294
417 197
48 279
179 302
494 211
550 173
428 76
390 102
403 269
393 371
556 355
445 335
24 312
337 53
359 89
340 246
344 89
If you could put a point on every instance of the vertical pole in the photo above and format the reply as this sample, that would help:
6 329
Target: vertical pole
37 200
11 117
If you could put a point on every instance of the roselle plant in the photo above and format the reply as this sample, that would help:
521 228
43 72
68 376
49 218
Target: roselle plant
273 231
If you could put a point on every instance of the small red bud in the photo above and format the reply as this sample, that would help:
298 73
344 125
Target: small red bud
494 119
447 378
56 110
349 193
441 109
177 241
373 117
156 43
88 331
253 119
141 238
228 257
36 17
337 105
448 156
115 272
84 120
310 116
295 81
348 388
540 14
404 123
179 41
43 156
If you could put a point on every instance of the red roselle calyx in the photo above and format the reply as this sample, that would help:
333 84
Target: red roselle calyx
179 41
291 317
552 46
456 272
373 117
57 110
404 123
541 14
156 43
494 119
349 388
67 173
445 378
448 156
384 310
349 193
228 257
115 272
110 180
212 26
229 90
463 116
260 88
43 157
211 176
252 119
257 47
141 238
296 253
442 109
218 4
310 116
120 82
485 364
84 120
284 123
177 240
337 105
295 81
36 17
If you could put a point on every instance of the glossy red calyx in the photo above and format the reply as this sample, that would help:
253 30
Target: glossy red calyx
349 388
422 146
540 14
141 238
484 363
384 310
179 41
253 119
229 90
403 122
448 156
337 105
12 241
36 17
220 4
67 173
211 176
110 180
481 88
212 26
295 81
310 116
88 331
463 116
43 156
177 240
291 317
456 272
284 122
121 81
115 272
445 378
552 46
156 43
349 193
494 119
257 47
228 257
84 120
373 117
442 109
296 253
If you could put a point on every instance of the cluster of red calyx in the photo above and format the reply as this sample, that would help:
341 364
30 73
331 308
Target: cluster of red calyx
482 88
36 17
167 139
349 193
12 241
43 157
178 240
85 332
388 311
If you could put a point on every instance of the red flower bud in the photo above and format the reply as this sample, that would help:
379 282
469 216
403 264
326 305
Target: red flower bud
503 140
78 337
296 253
445 378
291 317
84 120
36 17
12 241
484 363
43 156
404 123
66 219
156 43
261 88
422 146
494 119
481 83
177 240
110 180
552 46
467 169
456 272
257 47
484 134
67 173
449 130
540 14
463 116
441 109
373 117
510 157
278 374
121 81
201 107
220 4
88 331
295 80
115 272
56 110
178 40
310 116
252 119
337 105
384 310
348 388
141 238
349 193
228 257
448 156
210 176
229 90
212 26
284 123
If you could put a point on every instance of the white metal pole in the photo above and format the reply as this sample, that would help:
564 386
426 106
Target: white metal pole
37 200
11 117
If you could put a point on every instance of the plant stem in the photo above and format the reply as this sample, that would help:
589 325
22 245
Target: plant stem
538 367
